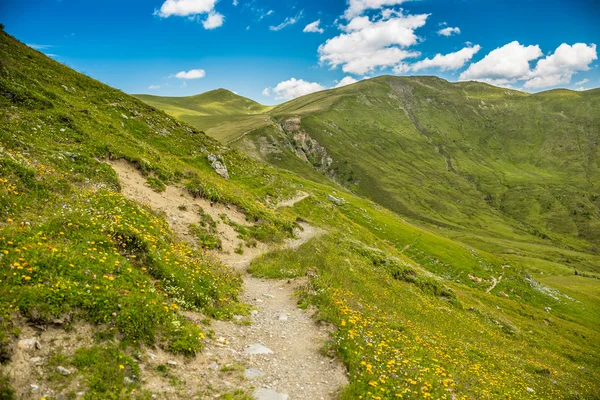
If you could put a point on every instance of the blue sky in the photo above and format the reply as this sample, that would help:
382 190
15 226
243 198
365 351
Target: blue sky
256 47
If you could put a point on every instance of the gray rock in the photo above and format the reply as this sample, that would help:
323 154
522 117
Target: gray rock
269 296
63 371
213 365
34 387
252 373
282 317
128 380
269 394
29 344
218 166
335 200
530 390
152 355
258 348
172 363
36 360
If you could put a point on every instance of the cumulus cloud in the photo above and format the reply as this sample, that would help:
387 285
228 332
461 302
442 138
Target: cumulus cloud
366 45
292 88
192 9
314 27
559 67
357 7
286 22
510 64
191 74
446 62
449 31
214 20
348 80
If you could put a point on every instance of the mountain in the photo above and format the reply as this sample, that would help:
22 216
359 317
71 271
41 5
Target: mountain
215 112
141 258
513 173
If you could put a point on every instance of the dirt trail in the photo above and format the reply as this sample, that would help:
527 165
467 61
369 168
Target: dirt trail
275 353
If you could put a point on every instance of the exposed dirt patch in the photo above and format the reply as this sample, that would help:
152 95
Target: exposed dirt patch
29 365
294 365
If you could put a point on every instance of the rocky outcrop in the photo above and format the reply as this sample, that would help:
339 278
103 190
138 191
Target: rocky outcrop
306 147
218 164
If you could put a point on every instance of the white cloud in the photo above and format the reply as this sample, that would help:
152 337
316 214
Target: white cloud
235 3
286 22
582 82
449 31
366 45
559 67
357 7
292 88
348 80
154 87
191 74
511 63
214 20
314 27
193 9
446 62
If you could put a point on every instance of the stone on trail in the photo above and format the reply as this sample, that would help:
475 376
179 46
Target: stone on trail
63 371
258 348
29 344
269 394
252 373
213 365
282 317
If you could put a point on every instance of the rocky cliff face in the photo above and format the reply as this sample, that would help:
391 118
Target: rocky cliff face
306 147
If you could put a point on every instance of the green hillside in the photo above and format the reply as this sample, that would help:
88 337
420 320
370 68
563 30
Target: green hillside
424 299
504 171
220 113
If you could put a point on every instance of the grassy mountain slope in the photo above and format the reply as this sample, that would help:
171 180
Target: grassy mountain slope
502 170
417 313
221 113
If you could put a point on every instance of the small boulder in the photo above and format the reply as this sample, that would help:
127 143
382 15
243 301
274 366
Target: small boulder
217 163
29 344
252 373
36 361
258 348
213 365
63 371
269 394
335 200
172 363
